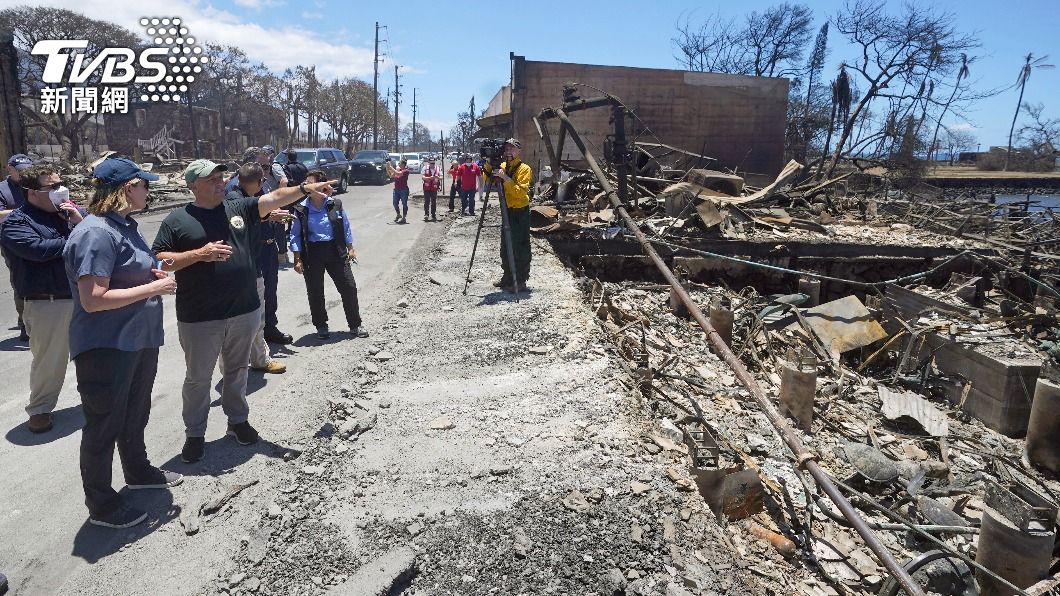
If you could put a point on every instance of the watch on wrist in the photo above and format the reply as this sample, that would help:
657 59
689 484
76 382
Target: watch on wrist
301 187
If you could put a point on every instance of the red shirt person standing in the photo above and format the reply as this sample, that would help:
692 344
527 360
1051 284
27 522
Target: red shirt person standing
469 173
432 178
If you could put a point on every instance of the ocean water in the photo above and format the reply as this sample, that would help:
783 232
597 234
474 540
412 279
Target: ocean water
1037 202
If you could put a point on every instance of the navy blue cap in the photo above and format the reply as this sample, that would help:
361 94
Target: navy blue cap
118 170
20 161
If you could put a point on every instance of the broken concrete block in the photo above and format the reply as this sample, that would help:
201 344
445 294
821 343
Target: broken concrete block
1043 429
724 182
358 424
576 502
612 583
798 387
387 574
442 423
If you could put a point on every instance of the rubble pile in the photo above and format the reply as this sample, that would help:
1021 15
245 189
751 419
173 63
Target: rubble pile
877 430
170 188
938 459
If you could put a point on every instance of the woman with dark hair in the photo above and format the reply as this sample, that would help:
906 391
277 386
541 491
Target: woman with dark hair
322 242
115 334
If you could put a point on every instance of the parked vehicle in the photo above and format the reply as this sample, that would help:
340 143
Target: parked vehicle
332 161
395 157
413 161
368 166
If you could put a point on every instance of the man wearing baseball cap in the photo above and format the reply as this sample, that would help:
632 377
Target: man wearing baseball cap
213 244
12 196
517 177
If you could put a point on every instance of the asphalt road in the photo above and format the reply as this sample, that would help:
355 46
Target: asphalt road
44 538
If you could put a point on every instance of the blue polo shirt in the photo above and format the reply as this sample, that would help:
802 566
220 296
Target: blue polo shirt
112 246
319 226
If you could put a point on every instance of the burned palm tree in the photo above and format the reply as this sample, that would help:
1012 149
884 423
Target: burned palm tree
1029 64
962 73
841 98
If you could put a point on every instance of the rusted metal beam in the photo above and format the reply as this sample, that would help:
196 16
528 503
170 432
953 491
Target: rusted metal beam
804 457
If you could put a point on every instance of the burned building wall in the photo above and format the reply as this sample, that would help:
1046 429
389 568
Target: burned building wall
737 119
264 125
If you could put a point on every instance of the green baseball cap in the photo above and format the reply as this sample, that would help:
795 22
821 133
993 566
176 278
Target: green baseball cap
201 168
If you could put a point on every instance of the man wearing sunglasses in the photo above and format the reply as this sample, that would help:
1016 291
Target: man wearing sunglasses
33 236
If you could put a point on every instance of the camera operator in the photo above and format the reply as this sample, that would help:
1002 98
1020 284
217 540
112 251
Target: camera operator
516 177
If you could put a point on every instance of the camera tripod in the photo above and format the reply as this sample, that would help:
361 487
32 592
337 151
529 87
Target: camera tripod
506 231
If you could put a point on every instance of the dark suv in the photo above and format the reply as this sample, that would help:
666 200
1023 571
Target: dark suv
367 166
332 161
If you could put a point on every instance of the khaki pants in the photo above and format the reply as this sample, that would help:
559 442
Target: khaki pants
260 357
202 344
48 325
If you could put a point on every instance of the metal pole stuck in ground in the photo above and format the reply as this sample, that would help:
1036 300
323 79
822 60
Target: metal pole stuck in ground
805 459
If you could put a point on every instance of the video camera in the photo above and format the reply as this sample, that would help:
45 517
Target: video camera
492 150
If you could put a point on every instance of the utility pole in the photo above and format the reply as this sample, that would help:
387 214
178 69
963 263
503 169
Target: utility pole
386 105
397 103
375 92
414 119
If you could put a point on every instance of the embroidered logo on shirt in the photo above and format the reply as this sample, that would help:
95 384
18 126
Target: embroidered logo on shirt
237 222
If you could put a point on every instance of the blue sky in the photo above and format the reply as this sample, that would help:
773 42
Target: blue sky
451 52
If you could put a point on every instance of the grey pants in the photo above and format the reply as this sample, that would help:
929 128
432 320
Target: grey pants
202 344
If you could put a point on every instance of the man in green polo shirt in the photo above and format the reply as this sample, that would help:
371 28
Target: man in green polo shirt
213 244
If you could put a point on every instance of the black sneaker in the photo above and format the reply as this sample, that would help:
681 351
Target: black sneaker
160 479
359 331
194 449
322 332
122 517
278 337
3 584
244 433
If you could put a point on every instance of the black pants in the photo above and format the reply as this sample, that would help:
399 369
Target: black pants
430 203
270 270
452 195
115 388
318 257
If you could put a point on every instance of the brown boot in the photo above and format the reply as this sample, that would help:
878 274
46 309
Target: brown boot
39 423
273 367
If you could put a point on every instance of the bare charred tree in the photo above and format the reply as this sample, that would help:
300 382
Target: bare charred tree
226 73
32 24
711 47
957 141
1030 63
1040 138
900 58
407 136
774 41
768 44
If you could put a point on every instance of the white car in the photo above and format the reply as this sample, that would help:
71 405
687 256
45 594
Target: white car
412 160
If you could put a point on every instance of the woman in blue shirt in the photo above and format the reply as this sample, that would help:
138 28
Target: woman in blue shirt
322 241
115 334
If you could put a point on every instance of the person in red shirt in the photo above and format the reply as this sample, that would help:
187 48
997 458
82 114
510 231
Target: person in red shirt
401 189
469 173
455 186
432 178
